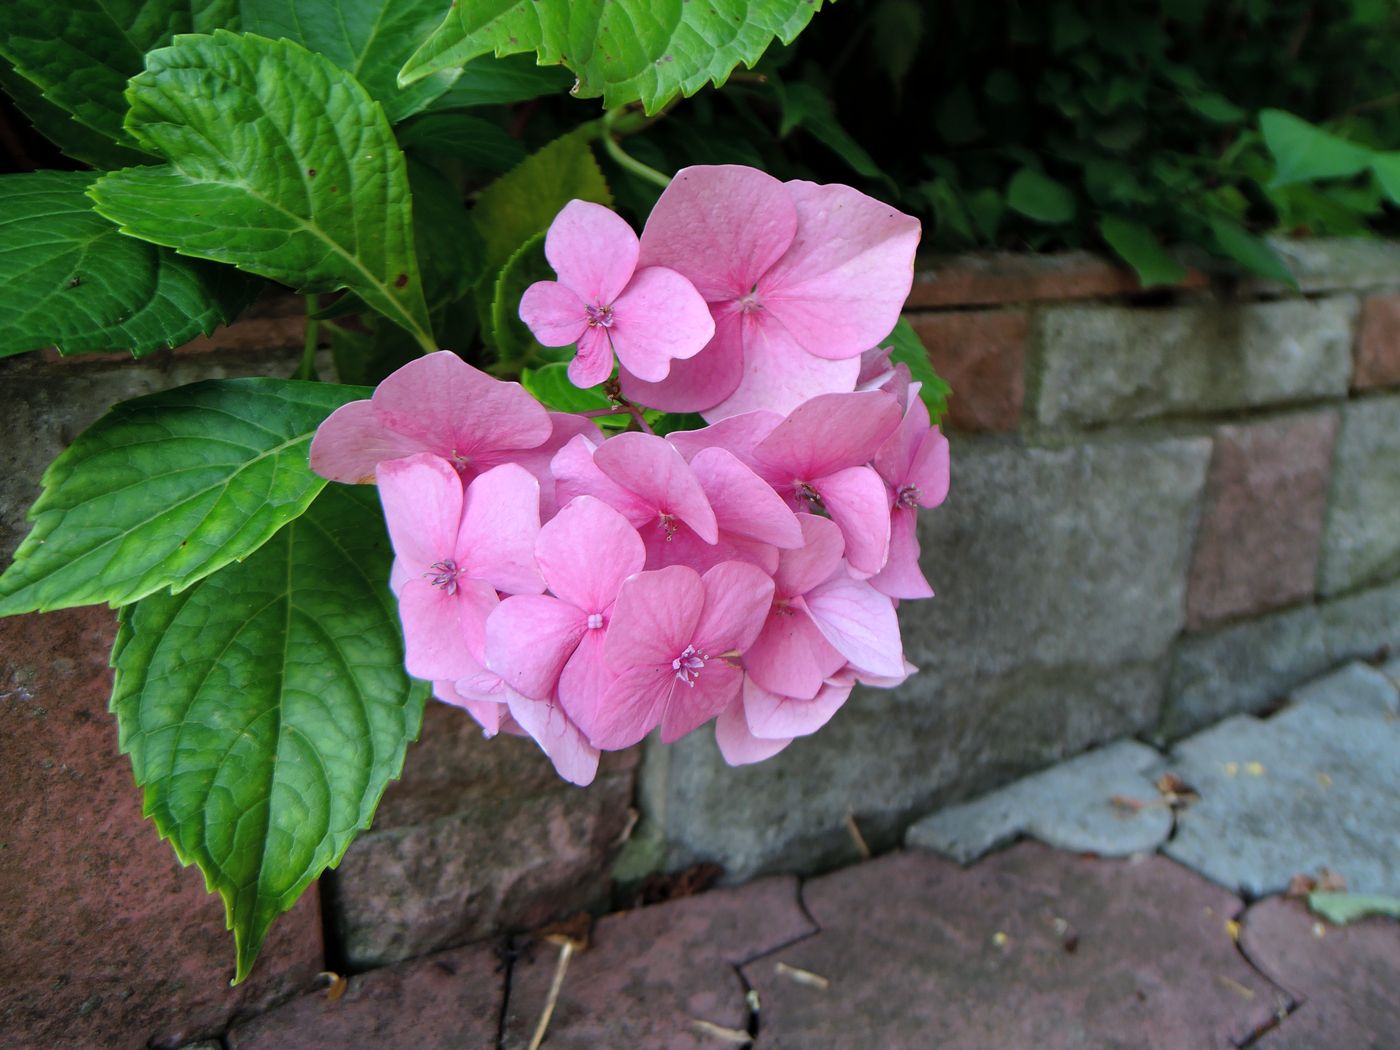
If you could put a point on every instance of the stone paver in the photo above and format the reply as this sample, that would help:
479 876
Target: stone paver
1344 977
981 356
1070 807
650 975
1378 343
1311 788
1361 542
448 1001
1029 948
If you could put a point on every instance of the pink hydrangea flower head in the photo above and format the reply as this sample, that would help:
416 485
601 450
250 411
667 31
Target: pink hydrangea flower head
800 278
672 642
439 404
574 758
604 303
913 462
737 744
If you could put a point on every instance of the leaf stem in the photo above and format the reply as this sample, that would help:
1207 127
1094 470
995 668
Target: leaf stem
622 158
313 331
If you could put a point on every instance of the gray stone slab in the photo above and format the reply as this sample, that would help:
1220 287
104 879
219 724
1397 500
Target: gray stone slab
1363 625
1312 788
1069 806
1060 578
1361 539
1107 364
1326 264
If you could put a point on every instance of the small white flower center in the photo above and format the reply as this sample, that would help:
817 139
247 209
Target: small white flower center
595 621
689 664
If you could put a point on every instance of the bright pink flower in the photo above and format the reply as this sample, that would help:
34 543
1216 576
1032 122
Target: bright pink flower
438 404
604 303
913 462
672 641
771 716
454 550
801 279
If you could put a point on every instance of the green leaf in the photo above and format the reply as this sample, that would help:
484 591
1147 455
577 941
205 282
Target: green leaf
459 136
449 248
806 107
1139 248
1217 108
623 50
909 350
280 164
508 334
1039 197
68 278
524 201
552 388
489 81
1386 168
1342 908
170 487
366 355
80 53
266 708
1249 251
76 140
369 39
670 422
1304 152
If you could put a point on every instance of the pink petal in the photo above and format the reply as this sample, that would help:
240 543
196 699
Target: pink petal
631 708
697 383
654 618
860 623
745 504
553 313
658 319
737 434
737 598
575 474
829 433
529 637
574 758
691 706
774 717
422 498
901 577
426 400
487 715
585 680
586 552
651 467
858 502
536 460
790 656
680 546
737 745
499 526
929 471
593 362
353 440
593 251
438 627
895 457
840 286
820 556
779 374
722 226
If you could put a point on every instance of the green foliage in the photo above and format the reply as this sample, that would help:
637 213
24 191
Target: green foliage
906 348
1304 153
69 279
266 708
1138 247
166 489
280 164
1342 908
623 50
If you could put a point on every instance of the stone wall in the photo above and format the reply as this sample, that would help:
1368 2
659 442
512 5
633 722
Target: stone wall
1165 509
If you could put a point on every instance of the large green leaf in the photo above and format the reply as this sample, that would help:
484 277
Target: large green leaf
460 136
490 81
69 279
369 39
1037 196
805 106
80 53
1251 252
76 140
1386 168
170 487
266 708
623 50
1304 152
1140 249
908 349
280 164
506 333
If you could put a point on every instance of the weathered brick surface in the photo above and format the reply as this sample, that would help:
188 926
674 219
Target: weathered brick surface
992 278
1361 542
982 357
106 940
1114 364
1261 528
1378 343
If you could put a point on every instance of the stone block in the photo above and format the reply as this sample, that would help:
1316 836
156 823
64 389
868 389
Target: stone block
1070 806
1060 578
1378 343
107 941
1330 264
982 357
1363 625
478 837
1261 529
1361 541
1118 364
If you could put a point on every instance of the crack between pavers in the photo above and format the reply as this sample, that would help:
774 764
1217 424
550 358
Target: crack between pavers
752 1004
1290 1004
508 957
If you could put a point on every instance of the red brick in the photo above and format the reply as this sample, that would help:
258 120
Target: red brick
1261 530
993 278
1378 343
107 941
982 357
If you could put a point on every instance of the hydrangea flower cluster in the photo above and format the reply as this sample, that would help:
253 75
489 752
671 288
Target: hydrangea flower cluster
585 590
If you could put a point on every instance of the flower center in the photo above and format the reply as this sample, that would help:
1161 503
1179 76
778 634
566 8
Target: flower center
444 574
689 664
668 525
907 496
807 493
749 303
595 621
599 316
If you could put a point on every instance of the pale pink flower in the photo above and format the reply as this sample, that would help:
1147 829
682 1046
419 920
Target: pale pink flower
913 462
800 278
439 404
546 722
737 743
761 723
605 303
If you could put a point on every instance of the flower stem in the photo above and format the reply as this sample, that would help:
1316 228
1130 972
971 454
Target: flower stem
308 353
622 158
